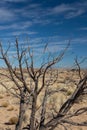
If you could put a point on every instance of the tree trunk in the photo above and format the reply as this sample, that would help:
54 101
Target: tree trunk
33 111
21 113
32 117
43 111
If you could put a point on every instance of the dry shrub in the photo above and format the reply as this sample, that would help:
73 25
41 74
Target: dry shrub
69 92
7 94
1 97
8 128
11 108
4 104
13 120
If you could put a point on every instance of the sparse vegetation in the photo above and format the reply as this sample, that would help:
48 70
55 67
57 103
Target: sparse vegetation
11 108
4 104
69 92
1 97
13 120
8 129
39 90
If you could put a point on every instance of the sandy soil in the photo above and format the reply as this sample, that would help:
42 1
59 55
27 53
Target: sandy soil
9 104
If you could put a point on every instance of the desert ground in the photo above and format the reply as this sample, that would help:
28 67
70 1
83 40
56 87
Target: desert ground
9 103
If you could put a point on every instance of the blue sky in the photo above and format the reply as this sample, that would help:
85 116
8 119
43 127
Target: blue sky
46 21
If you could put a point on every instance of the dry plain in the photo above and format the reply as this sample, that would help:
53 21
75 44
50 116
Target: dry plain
9 103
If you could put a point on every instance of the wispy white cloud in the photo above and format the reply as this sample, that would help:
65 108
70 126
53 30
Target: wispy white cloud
66 10
19 25
18 33
62 8
83 28
6 14
38 49
79 40
14 1
39 14
34 14
73 14
69 10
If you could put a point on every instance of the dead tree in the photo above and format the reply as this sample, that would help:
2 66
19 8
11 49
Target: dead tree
25 59
19 80
25 56
63 116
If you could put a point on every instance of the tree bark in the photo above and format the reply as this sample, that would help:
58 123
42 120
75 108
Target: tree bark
33 111
21 113
32 117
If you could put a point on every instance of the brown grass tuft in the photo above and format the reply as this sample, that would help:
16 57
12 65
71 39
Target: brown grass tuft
1 97
11 108
13 120
4 104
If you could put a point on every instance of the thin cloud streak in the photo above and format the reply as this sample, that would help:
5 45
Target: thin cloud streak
78 40
70 10
39 15
83 28
15 1
15 26
6 15
74 14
